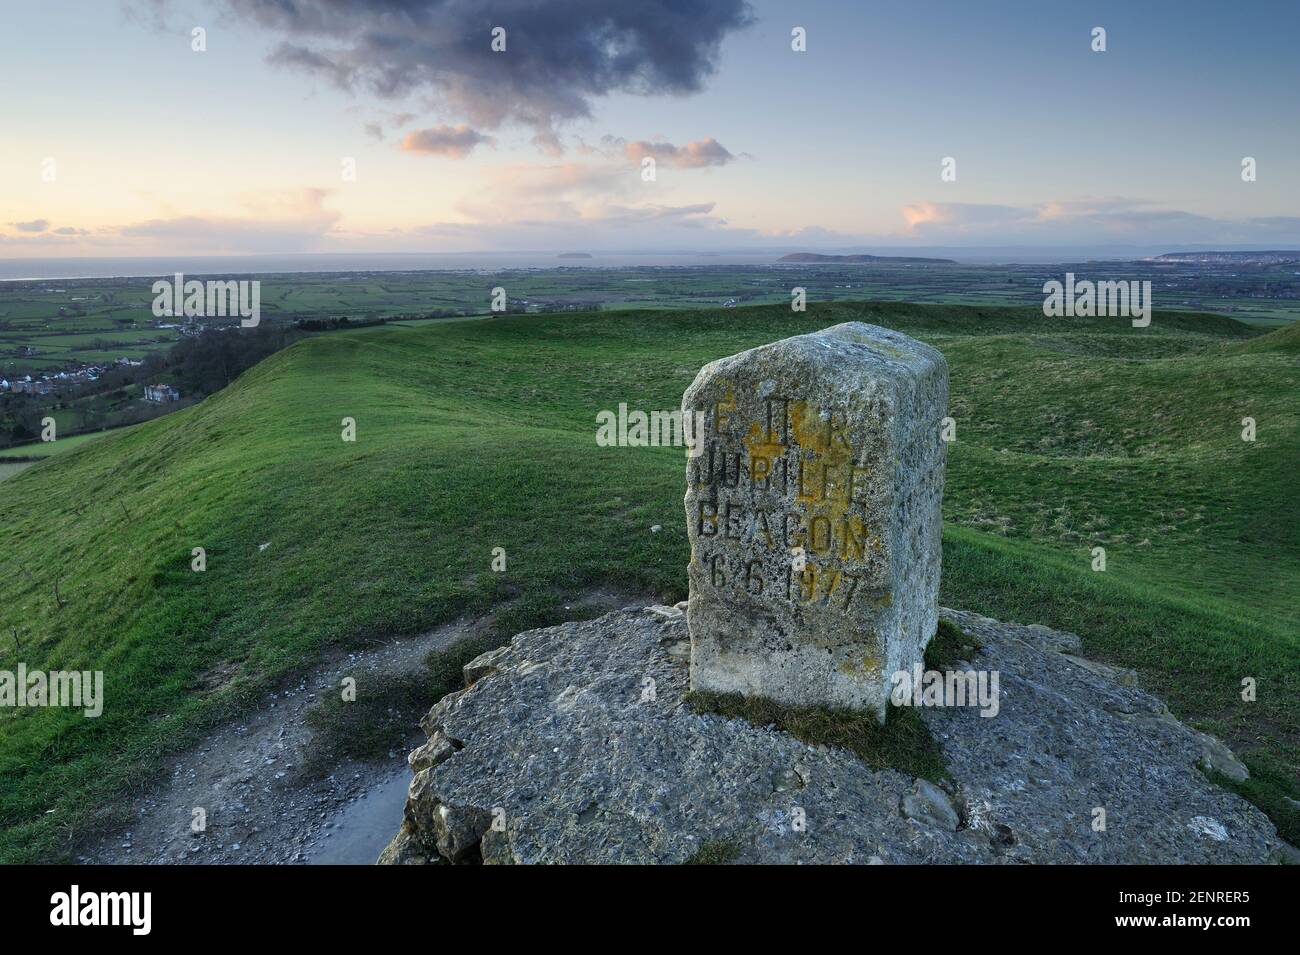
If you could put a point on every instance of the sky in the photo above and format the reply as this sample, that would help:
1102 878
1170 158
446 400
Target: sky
290 126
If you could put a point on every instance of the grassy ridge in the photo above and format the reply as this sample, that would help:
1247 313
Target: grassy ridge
23 456
475 435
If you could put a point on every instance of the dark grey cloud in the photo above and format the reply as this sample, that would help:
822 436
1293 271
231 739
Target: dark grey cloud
301 57
560 54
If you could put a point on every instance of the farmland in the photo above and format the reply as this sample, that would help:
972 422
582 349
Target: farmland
48 325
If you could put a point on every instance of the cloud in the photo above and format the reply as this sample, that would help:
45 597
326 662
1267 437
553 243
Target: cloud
292 221
303 58
599 227
1278 225
1090 221
565 205
456 142
559 54
556 192
696 215
390 121
69 230
923 216
35 225
554 180
696 155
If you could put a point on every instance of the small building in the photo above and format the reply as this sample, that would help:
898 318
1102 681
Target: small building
30 386
161 393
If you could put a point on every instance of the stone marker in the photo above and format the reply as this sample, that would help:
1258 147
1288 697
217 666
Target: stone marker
813 511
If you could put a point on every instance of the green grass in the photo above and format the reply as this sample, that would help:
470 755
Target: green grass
45 449
21 457
383 717
1270 786
715 852
949 645
902 743
66 320
475 435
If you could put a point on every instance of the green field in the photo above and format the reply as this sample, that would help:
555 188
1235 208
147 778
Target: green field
62 324
23 456
1071 434
97 320
47 449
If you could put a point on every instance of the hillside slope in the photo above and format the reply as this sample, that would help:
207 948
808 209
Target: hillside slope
472 436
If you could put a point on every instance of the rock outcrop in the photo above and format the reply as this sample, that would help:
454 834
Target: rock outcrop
574 744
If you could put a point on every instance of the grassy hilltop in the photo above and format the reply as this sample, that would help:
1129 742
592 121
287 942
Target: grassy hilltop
1071 433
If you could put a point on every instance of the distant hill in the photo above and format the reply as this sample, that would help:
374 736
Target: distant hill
818 257
574 255
1231 258
1284 339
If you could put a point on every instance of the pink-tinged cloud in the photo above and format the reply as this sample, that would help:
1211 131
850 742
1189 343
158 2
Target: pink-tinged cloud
696 155
599 226
34 225
456 142
278 221
961 215
978 216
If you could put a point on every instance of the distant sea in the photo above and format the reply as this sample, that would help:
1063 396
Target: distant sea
98 268
228 265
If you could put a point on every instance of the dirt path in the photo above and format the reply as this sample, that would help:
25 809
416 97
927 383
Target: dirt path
247 776
246 779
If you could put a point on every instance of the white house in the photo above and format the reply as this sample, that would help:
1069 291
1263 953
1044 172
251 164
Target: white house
161 393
